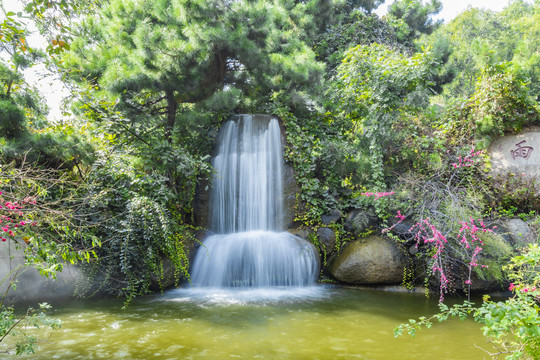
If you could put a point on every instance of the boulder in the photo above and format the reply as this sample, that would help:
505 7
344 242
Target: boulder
333 217
327 237
290 189
519 232
373 260
402 228
301 232
31 285
518 154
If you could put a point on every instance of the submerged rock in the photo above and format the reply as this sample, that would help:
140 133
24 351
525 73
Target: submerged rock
373 260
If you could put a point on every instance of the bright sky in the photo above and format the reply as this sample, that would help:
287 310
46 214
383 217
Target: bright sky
49 86
53 91
451 8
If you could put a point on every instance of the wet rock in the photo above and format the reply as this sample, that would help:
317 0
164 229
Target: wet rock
201 203
302 233
202 234
290 189
333 217
327 237
402 228
373 260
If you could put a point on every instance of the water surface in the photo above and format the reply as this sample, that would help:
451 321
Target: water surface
286 323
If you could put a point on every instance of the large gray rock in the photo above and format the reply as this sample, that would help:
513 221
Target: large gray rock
301 232
201 203
327 237
519 232
333 217
290 189
518 154
31 285
373 260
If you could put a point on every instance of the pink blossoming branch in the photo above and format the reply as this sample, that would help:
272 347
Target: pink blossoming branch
10 217
514 287
467 160
427 234
377 195
468 238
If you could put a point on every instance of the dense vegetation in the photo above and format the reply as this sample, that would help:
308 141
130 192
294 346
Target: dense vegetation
369 104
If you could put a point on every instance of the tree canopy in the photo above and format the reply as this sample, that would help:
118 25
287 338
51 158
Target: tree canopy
155 57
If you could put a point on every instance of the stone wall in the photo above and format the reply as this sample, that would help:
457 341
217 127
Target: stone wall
31 286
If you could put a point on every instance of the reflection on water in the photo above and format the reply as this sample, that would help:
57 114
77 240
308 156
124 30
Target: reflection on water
288 323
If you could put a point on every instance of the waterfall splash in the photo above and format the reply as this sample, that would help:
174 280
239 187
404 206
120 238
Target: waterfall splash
250 248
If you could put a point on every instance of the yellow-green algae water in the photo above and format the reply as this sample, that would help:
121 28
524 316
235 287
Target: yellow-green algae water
292 323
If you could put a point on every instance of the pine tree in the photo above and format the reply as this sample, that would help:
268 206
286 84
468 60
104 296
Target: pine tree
157 57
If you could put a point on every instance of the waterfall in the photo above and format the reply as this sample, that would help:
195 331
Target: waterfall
250 248
247 192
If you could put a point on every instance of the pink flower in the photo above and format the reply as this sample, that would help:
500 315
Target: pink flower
512 286
468 282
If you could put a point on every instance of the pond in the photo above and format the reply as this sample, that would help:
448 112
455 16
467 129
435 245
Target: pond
318 322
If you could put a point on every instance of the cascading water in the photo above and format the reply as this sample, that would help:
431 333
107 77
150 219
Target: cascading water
249 248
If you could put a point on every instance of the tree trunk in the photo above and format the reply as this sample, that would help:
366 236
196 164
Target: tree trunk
172 105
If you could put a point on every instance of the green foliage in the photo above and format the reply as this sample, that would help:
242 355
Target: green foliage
141 230
12 125
14 334
495 253
477 39
48 199
153 59
357 28
411 18
501 103
374 87
37 213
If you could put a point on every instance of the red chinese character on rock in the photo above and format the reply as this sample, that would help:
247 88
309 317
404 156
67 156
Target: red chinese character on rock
521 151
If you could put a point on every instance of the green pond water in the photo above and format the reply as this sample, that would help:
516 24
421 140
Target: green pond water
300 323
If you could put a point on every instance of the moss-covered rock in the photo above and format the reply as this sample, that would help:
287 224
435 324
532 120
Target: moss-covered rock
373 260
